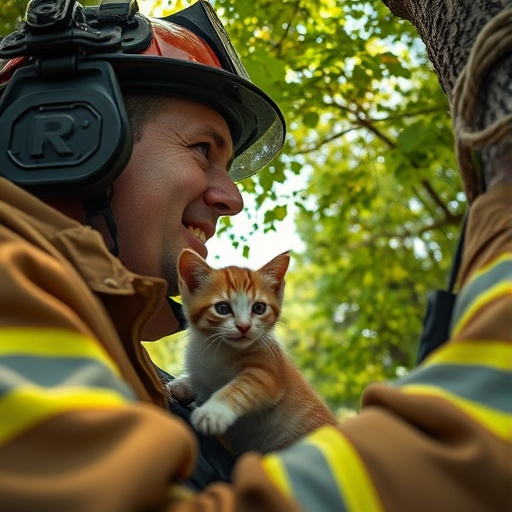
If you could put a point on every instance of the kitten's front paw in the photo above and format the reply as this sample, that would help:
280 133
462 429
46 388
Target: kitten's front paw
180 389
212 418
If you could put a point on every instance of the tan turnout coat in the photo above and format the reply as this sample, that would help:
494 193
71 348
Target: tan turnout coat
84 424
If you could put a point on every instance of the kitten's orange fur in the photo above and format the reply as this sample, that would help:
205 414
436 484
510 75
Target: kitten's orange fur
245 386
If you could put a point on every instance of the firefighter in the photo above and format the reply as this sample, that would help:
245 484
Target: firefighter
121 140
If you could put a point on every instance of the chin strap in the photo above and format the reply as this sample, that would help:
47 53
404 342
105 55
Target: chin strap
99 216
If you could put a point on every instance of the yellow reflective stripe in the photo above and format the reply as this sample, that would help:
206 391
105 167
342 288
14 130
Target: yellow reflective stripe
24 407
495 354
273 466
52 343
495 292
499 423
348 470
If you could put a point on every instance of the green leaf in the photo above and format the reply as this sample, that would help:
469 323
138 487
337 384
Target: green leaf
277 214
412 137
310 119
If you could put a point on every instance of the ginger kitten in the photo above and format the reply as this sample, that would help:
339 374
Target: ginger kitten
244 386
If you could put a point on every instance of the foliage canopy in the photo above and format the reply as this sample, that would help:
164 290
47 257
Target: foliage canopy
380 204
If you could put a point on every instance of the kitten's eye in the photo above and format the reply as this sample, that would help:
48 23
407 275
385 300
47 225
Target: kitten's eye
223 308
259 308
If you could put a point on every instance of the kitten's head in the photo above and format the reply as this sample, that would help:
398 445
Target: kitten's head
239 304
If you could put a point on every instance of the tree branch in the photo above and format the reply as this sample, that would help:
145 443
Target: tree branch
437 200
448 220
368 124
279 44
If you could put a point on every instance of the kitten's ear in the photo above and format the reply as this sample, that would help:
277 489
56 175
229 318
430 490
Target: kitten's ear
276 268
193 270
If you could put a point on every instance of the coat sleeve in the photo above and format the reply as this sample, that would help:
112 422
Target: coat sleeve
439 438
73 435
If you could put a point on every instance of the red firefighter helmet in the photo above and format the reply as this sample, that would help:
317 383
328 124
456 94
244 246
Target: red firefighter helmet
187 54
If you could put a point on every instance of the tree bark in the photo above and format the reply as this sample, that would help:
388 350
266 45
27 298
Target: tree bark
449 29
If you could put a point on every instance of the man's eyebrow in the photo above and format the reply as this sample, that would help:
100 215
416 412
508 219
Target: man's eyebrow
219 140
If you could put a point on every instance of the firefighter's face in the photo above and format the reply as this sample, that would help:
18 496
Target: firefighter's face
174 188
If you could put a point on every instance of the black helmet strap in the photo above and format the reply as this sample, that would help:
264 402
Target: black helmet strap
99 216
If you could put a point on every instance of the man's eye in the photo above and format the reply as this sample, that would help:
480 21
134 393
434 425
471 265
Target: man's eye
203 147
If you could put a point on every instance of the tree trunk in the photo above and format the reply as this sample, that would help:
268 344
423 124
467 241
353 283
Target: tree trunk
449 29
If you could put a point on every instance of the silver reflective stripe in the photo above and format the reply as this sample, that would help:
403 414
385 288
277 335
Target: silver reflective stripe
311 479
324 472
488 386
499 273
23 370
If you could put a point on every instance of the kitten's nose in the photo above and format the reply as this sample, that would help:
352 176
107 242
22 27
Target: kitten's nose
243 328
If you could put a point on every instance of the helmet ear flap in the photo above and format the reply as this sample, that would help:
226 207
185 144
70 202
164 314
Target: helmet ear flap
65 130
65 136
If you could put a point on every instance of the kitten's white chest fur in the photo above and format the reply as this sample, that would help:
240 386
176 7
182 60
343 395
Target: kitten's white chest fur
208 367
204 382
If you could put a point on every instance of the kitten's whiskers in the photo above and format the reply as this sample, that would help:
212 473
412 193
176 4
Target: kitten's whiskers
210 340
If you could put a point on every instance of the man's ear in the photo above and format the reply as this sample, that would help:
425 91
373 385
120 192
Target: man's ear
193 271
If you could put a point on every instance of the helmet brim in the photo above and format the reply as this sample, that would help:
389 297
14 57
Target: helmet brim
255 121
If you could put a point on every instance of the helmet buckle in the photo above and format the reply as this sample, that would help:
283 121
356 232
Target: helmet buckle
57 27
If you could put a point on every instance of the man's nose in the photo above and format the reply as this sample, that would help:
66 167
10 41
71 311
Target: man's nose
223 195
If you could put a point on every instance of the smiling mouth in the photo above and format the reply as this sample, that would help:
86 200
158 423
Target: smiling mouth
197 232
